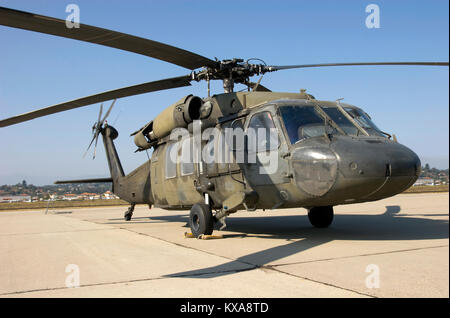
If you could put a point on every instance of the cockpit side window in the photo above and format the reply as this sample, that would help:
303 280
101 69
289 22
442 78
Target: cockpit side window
262 133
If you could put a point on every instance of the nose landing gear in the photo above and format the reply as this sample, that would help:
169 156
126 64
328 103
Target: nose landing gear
129 213
321 216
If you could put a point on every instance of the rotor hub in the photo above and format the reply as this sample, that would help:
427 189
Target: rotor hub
230 71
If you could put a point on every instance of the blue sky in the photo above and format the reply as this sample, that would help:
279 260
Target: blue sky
39 70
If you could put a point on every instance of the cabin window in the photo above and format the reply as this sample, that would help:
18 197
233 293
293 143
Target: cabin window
208 152
155 174
224 155
171 160
154 156
187 157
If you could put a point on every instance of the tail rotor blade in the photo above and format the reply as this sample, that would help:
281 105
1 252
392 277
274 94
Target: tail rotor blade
90 144
100 112
95 146
98 127
117 117
109 111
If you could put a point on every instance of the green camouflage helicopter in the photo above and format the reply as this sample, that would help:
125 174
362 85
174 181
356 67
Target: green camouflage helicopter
237 150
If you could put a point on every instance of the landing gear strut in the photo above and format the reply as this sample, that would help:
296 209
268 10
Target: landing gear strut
129 213
321 216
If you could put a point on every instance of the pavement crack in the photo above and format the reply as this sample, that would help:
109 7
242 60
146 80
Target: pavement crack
55 232
81 286
360 255
124 282
270 267
252 267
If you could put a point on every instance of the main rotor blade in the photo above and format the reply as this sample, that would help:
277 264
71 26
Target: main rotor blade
38 23
286 67
98 180
168 83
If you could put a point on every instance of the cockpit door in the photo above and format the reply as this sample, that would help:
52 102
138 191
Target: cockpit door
267 149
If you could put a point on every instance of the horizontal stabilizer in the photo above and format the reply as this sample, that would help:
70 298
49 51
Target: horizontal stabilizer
98 180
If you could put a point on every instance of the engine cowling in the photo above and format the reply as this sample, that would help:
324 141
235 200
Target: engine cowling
179 114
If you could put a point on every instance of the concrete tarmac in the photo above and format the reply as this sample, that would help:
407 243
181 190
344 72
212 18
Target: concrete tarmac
397 247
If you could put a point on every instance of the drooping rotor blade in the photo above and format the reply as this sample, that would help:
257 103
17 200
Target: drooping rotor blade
98 180
168 83
38 23
273 68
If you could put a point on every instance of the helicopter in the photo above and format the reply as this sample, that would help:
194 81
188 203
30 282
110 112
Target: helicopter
233 151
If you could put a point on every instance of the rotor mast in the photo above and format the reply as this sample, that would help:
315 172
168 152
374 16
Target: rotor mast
228 85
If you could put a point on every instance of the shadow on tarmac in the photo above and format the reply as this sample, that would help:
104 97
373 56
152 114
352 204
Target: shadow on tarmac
387 226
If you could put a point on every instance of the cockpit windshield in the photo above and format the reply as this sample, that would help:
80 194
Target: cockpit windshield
303 122
308 121
341 120
364 121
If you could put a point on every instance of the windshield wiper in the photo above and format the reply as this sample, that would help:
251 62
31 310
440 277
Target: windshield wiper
328 120
350 117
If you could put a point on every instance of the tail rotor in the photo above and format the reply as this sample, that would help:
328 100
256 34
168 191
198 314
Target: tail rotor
98 127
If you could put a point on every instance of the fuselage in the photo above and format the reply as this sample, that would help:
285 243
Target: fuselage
315 157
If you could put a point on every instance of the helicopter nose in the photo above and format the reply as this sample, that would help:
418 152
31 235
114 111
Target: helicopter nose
372 169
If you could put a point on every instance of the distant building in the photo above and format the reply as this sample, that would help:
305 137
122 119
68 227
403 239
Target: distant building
70 197
89 196
108 195
426 181
15 198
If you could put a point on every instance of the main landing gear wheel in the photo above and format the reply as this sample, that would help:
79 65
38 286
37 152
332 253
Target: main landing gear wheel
321 216
129 213
201 220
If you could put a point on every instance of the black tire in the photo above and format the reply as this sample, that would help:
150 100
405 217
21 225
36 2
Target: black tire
321 216
127 216
201 220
